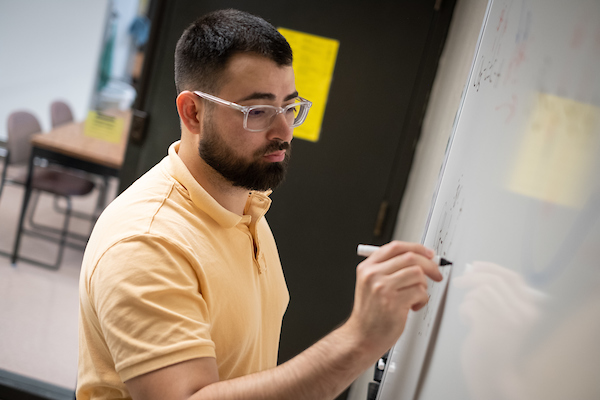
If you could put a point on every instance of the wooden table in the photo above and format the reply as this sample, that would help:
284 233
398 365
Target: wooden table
67 145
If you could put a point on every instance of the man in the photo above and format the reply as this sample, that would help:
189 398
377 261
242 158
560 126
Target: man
182 292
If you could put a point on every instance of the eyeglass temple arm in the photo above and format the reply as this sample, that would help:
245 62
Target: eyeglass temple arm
238 106
218 100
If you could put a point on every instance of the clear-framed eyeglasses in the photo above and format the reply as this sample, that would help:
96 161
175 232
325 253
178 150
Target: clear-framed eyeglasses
259 118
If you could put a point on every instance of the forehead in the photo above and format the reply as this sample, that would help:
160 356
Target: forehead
249 73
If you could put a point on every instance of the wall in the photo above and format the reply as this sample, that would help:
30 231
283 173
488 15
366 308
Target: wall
446 93
49 50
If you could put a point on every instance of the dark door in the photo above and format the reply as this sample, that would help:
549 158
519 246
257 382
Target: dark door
338 187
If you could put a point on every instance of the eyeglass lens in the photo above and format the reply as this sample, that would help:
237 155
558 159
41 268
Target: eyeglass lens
261 117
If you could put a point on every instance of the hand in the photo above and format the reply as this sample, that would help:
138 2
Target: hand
389 283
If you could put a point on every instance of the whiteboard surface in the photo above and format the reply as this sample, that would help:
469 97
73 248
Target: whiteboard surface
518 201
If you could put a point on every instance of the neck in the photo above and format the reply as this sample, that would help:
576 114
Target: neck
231 197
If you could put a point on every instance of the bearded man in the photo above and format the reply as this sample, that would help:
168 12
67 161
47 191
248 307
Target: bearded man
182 292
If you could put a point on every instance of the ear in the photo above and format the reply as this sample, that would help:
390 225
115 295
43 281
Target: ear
189 107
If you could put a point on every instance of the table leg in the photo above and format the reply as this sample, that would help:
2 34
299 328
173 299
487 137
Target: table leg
26 197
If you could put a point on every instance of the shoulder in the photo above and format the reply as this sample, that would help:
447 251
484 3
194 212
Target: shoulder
138 264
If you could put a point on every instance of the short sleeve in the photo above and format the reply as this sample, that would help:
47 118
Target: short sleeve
147 297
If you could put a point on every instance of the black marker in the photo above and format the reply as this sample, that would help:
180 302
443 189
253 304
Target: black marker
365 250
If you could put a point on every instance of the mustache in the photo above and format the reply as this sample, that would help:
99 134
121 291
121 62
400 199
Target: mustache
275 146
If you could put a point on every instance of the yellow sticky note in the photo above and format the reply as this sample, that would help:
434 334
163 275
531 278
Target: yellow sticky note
314 61
555 158
104 127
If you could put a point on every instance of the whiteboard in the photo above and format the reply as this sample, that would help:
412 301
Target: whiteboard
517 209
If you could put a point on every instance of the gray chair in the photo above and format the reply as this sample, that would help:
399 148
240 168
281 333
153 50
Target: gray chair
58 182
60 113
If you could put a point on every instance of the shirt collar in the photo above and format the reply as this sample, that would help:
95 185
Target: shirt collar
257 205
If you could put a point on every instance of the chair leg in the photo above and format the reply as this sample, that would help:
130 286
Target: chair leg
75 214
26 196
50 229
65 231
3 177
1 185
35 196
62 242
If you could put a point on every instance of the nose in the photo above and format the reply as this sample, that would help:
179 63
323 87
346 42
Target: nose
280 129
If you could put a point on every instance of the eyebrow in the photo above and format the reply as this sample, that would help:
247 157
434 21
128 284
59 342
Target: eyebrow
267 96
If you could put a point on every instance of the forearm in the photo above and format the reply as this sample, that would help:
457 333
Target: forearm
390 283
321 372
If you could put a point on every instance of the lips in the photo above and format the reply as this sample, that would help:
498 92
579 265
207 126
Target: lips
276 156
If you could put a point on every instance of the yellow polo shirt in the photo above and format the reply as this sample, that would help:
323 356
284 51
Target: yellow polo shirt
169 275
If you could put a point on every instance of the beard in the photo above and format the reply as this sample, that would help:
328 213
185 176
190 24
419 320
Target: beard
257 174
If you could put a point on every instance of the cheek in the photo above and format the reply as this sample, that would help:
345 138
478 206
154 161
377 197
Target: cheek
242 143
233 136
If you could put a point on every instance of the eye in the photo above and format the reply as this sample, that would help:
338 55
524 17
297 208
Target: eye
256 112
293 110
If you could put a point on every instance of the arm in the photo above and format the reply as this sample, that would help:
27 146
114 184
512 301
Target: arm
389 283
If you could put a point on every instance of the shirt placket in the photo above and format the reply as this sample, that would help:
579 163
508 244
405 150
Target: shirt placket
256 209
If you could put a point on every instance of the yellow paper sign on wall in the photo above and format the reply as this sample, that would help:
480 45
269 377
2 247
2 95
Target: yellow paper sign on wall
314 61
104 127
556 157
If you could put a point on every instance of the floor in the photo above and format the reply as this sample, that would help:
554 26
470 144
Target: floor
38 306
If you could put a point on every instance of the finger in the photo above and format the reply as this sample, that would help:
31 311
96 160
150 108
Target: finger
396 248
419 299
411 259
408 277
420 305
411 297
412 283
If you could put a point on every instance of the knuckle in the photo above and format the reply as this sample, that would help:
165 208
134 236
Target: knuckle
378 287
397 245
420 274
360 268
365 274
410 257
